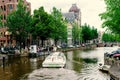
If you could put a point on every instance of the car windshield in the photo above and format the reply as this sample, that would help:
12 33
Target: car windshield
118 51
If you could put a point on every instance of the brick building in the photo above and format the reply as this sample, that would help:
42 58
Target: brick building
6 7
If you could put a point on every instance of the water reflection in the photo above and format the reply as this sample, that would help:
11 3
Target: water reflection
91 72
81 65
86 63
16 68
90 60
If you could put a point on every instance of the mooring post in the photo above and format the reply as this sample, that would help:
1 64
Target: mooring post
3 60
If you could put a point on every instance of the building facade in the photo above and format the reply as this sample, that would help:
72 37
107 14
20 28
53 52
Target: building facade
73 16
77 13
6 7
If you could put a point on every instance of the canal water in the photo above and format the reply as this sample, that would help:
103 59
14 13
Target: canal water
81 65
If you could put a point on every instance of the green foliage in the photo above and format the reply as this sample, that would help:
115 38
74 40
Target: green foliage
111 16
60 25
94 33
89 33
76 33
1 24
47 26
110 37
19 22
42 24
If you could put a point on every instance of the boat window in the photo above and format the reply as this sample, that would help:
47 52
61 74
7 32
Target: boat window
48 57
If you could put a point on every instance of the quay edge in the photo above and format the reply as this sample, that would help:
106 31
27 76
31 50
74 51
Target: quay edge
114 70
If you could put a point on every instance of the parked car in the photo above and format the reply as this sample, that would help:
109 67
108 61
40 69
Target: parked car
117 56
113 53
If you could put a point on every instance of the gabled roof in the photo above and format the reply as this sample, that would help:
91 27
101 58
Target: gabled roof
70 17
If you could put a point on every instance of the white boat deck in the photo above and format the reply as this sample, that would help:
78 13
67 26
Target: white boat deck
55 59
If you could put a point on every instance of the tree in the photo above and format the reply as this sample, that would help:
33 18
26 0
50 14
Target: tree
42 25
1 23
94 33
110 37
111 16
89 33
76 33
19 23
60 31
86 32
48 26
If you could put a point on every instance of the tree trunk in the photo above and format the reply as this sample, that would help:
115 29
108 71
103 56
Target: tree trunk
56 42
42 42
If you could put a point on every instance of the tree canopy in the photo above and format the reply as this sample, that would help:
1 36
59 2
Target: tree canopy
46 26
42 24
110 37
111 17
19 23
76 33
89 33
61 29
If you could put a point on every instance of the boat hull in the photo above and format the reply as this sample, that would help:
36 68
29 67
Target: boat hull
56 59
105 71
52 65
104 68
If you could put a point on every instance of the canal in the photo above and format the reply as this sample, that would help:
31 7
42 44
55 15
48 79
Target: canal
81 65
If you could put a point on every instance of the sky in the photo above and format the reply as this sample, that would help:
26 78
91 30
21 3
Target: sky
90 9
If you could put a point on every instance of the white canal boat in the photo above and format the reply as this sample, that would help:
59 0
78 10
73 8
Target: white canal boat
55 59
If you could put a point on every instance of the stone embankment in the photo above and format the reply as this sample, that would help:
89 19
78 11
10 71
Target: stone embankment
25 52
114 71
78 48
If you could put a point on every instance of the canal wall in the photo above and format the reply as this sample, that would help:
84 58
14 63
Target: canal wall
25 52
78 48
114 70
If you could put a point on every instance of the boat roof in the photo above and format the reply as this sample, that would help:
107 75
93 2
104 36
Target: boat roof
56 53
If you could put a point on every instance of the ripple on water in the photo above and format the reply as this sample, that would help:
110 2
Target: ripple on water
91 72
53 74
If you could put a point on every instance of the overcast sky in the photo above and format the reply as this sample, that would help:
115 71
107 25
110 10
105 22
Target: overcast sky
90 9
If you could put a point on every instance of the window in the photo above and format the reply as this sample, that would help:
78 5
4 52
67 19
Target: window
2 0
4 8
10 7
1 8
